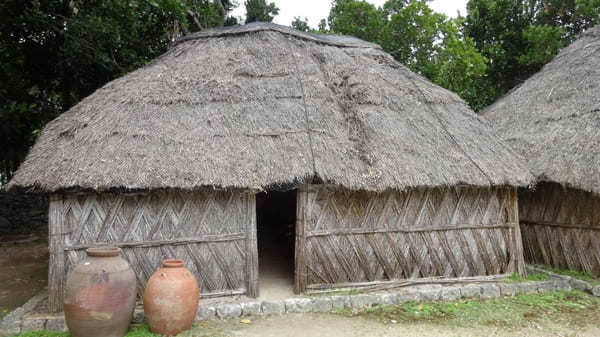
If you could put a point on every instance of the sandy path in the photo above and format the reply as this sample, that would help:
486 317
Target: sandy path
314 325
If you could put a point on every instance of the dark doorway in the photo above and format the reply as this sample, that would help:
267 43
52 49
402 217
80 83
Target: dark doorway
276 229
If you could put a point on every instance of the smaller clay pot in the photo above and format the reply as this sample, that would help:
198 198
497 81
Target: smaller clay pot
171 299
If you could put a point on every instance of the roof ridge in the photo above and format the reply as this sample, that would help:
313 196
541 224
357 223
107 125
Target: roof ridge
329 39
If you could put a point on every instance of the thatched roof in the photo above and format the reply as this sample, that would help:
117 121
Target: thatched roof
553 119
262 105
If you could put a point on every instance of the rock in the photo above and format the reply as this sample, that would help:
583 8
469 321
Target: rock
407 296
563 285
10 326
508 289
545 286
364 300
138 315
33 324
251 308
56 324
430 294
339 302
273 307
229 310
322 304
205 313
490 291
580 285
596 291
527 287
298 305
450 294
387 298
470 291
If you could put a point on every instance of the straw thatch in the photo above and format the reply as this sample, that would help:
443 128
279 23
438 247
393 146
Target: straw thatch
553 119
262 105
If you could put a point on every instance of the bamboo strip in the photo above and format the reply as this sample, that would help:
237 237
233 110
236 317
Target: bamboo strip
386 285
157 243
407 230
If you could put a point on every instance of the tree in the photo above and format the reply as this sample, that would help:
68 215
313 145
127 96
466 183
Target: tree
259 10
54 53
301 25
356 18
520 36
425 41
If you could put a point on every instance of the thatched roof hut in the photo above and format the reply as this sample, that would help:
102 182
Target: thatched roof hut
364 145
553 120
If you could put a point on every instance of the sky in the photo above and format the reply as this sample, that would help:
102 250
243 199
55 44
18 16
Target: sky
315 10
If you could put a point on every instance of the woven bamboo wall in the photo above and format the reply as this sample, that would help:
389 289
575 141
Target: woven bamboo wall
213 231
348 237
561 227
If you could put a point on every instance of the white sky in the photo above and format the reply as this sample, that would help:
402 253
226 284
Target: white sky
315 10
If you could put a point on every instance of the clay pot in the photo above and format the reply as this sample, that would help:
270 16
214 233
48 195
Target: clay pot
100 295
171 299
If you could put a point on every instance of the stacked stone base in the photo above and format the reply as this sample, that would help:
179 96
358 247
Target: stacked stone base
26 319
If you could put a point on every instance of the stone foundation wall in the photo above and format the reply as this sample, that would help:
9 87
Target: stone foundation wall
30 317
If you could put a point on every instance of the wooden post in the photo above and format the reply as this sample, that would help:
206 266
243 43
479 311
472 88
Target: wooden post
300 268
251 247
56 271
517 259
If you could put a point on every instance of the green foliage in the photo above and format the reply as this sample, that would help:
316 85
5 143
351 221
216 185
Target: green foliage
301 25
518 47
427 42
54 53
259 10
356 18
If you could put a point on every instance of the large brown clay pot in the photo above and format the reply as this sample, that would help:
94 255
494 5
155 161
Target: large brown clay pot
171 299
100 295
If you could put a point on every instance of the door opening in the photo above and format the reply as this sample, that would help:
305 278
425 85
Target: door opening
276 232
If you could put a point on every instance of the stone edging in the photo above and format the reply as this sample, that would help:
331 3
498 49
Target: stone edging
575 283
20 320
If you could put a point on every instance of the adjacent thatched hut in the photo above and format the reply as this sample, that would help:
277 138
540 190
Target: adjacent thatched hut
553 120
388 176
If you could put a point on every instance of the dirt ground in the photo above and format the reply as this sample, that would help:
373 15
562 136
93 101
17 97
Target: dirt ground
298 325
23 269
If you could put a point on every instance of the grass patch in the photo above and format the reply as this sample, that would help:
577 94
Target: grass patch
505 311
581 275
44 334
530 277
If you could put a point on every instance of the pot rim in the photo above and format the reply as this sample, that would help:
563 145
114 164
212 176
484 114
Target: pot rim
173 263
106 251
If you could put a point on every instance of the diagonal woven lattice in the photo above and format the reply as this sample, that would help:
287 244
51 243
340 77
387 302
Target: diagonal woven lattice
208 230
453 232
561 227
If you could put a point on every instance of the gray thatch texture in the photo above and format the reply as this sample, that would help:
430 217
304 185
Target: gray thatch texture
553 119
262 105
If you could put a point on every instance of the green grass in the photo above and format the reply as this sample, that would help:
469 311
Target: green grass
505 311
581 275
530 277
